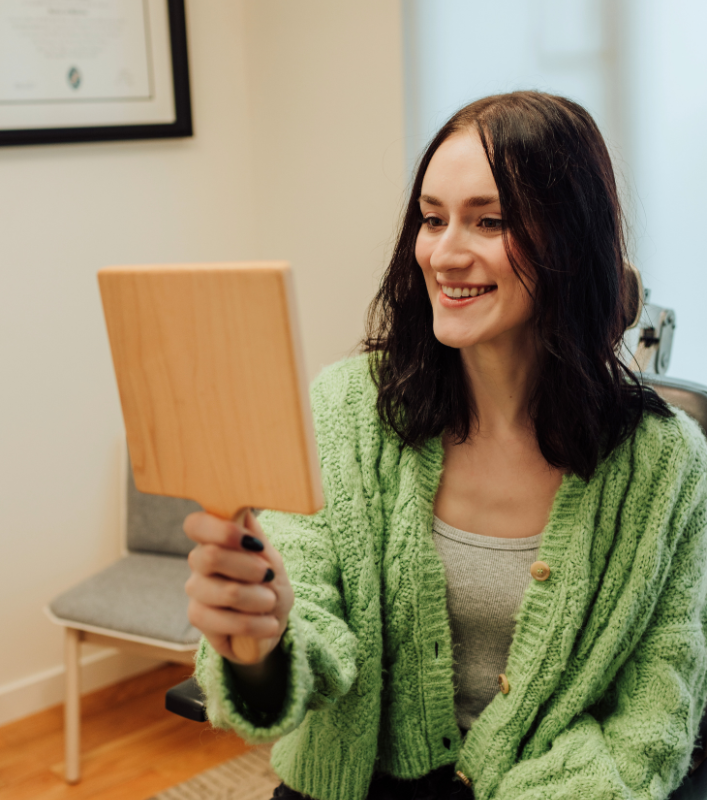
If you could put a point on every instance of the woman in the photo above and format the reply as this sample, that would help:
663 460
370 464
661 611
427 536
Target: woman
529 622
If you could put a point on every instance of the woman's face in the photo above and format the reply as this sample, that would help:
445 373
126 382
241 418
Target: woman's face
476 297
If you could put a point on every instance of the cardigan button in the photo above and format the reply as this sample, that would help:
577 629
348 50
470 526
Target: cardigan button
503 683
462 777
540 571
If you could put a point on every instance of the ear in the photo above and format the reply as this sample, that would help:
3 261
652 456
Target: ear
633 294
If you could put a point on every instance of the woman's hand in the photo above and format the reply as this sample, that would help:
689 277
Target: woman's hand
238 585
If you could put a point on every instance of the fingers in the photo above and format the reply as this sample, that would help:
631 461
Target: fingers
238 586
212 559
269 552
204 528
219 622
227 594
214 534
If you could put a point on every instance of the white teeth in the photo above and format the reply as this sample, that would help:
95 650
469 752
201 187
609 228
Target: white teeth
465 292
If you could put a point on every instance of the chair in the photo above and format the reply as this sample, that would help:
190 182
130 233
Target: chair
137 604
692 399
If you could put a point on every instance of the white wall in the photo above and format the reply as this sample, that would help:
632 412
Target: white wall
327 104
461 50
667 65
298 154
638 66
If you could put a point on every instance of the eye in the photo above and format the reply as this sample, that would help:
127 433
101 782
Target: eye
491 224
433 222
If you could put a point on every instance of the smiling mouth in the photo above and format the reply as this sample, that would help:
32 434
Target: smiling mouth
459 292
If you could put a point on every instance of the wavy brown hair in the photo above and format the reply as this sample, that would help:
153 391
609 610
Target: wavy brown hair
562 214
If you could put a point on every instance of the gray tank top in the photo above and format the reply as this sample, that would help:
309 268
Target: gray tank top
486 580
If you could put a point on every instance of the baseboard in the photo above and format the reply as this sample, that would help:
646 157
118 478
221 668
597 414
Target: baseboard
44 689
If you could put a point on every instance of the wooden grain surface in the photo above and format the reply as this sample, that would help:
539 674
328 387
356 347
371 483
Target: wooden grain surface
133 748
209 371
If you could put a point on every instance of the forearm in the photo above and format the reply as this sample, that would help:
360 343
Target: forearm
231 704
265 684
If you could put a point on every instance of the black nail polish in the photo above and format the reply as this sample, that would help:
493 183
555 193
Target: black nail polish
253 544
269 575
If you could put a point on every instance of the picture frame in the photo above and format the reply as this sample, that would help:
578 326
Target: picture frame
93 71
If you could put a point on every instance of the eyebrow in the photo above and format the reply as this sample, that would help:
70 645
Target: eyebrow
470 202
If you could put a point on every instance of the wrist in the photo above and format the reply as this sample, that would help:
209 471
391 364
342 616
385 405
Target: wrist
262 686
263 671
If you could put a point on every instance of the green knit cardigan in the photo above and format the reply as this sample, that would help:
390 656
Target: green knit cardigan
608 665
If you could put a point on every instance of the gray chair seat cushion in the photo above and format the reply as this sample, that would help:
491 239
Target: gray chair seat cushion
142 595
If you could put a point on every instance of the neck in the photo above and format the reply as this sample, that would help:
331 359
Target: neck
501 377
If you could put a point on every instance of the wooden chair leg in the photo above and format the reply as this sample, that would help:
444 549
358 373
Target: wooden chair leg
72 707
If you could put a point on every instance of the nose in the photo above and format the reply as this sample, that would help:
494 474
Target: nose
452 251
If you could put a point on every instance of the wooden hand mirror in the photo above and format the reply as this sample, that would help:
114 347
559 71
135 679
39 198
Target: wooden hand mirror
210 375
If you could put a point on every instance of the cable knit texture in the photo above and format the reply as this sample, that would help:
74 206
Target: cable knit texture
608 665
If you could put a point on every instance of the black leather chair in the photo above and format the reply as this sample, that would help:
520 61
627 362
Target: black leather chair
187 700
692 398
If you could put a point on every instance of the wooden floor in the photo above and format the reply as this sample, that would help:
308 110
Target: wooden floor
131 746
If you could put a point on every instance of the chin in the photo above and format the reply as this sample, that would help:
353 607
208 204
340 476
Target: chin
454 338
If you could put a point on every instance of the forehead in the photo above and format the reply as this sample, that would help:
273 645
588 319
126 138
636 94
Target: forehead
459 168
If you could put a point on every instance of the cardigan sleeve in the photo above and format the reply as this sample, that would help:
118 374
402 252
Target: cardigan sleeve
319 645
320 648
641 748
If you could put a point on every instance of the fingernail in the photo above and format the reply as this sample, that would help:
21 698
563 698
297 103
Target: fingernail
251 543
269 575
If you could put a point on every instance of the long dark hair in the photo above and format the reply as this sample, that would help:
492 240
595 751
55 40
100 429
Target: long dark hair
561 209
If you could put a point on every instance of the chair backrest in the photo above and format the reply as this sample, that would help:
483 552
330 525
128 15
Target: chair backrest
690 397
154 522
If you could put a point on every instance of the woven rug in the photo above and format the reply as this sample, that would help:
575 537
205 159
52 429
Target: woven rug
247 777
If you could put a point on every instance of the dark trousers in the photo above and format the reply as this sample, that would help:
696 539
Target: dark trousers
438 785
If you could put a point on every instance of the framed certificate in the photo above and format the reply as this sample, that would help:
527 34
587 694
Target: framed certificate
93 70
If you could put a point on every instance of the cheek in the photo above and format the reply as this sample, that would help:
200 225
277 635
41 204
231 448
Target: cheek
508 277
521 301
422 252
503 263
